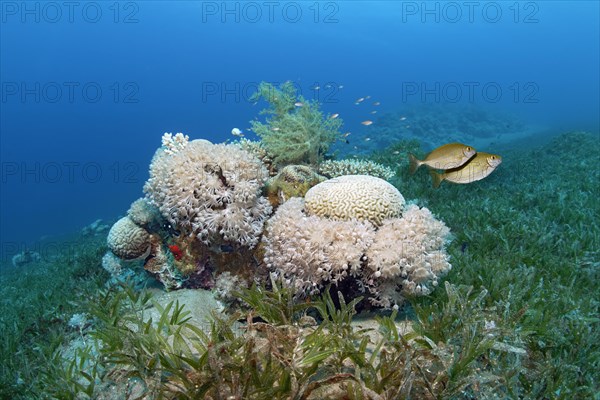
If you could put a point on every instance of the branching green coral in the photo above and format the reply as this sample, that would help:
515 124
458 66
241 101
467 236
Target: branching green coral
293 134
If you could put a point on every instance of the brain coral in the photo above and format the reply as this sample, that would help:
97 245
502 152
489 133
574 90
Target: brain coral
128 240
210 191
361 197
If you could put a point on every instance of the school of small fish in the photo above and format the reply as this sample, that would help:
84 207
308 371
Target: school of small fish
453 162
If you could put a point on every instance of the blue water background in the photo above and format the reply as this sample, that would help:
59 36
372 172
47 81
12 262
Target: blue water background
190 66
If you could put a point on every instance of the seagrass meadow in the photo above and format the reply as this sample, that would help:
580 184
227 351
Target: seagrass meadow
517 317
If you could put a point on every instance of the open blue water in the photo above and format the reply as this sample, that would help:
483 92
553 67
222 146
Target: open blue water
88 88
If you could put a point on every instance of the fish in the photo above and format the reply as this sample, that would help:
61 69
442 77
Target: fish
237 132
334 116
451 155
360 100
479 167
347 134
374 112
376 103
298 104
341 87
367 122
402 118
367 139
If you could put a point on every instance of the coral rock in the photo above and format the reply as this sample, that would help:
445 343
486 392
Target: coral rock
292 181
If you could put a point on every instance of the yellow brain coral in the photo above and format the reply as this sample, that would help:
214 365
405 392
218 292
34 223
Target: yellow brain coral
128 240
361 197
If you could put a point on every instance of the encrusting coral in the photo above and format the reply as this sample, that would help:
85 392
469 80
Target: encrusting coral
291 181
112 264
211 192
335 168
144 214
389 254
361 197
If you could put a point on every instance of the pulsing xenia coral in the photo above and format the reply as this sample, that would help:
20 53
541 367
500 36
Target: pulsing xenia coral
390 252
407 256
310 251
295 132
210 192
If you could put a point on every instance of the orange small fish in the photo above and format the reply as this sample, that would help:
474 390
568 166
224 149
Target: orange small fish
367 122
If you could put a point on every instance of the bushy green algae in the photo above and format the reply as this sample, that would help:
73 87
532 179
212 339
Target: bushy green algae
295 130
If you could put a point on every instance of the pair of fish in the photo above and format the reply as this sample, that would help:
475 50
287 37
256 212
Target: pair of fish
460 163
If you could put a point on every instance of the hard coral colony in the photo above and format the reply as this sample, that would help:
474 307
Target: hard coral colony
205 213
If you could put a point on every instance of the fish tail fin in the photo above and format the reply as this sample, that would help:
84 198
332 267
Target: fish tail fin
414 163
436 178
